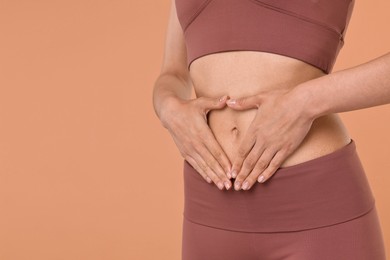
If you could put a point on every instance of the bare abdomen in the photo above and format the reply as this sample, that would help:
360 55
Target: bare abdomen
243 73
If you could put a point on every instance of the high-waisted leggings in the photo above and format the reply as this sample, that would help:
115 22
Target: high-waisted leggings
321 209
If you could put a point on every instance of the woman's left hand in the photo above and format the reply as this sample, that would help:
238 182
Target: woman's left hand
279 127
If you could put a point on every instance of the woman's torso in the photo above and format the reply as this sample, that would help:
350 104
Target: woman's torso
243 73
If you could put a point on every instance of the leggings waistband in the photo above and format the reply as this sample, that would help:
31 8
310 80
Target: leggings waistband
319 192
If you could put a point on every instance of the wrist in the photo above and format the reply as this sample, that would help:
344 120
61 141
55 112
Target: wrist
168 109
305 98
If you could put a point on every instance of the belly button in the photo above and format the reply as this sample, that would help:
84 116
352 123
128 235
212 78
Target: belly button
235 131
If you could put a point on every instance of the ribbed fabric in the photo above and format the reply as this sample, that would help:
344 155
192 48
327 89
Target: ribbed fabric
319 192
309 30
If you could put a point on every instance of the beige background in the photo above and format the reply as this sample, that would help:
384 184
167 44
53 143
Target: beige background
86 169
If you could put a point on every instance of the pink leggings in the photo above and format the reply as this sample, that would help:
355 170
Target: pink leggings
321 209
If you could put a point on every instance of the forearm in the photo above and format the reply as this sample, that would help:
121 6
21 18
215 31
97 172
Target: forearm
166 88
362 86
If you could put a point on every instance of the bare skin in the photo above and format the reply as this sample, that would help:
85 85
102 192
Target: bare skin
278 129
274 121
246 73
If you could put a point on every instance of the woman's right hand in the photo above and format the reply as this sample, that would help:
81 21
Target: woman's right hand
186 120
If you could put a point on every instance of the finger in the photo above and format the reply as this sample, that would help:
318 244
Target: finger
218 153
242 152
273 166
203 166
195 165
248 164
212 164
244 103
206 104
260 166
217 178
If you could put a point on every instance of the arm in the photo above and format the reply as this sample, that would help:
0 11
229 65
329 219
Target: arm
185 118
174 80
277 130
168 88
362 86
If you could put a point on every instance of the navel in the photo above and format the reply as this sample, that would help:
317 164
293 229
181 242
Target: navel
235 131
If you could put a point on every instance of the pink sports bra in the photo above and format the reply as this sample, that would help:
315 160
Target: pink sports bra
312 31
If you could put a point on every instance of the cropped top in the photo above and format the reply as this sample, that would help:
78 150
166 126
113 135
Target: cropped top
312 31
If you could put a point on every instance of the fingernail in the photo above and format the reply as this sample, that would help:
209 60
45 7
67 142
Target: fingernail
208 179
220 185
234 174
221 98
227 185
237 185
245 185
231 101
261 178
228 175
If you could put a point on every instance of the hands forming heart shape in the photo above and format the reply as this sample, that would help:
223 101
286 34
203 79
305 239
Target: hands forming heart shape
280 125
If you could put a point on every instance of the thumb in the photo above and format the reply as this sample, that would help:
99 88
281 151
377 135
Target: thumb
208 104
244 103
